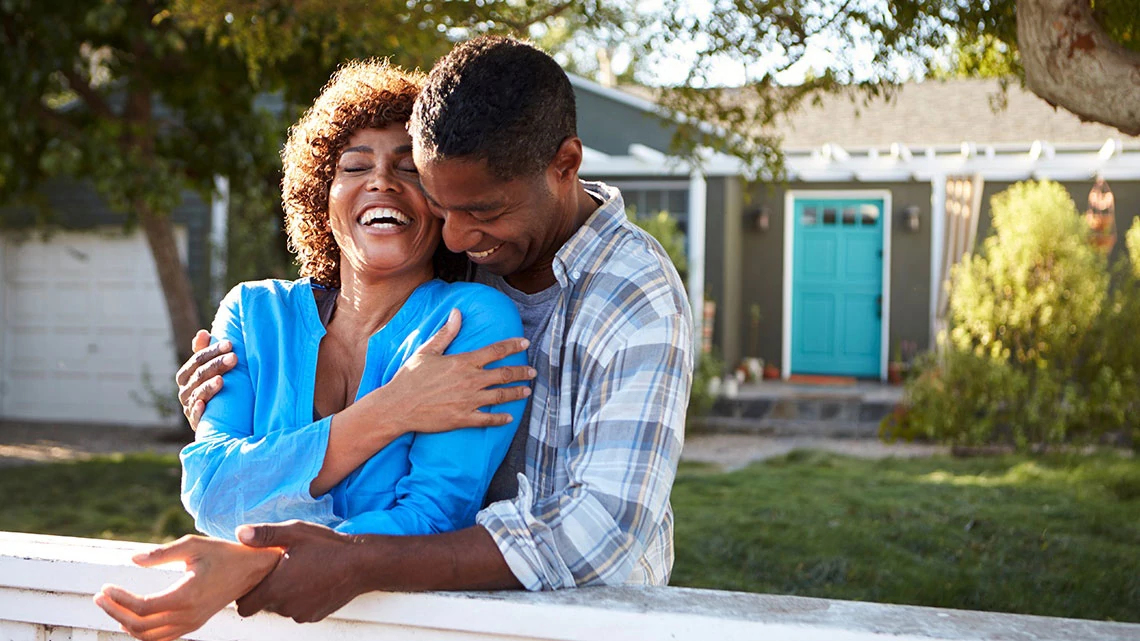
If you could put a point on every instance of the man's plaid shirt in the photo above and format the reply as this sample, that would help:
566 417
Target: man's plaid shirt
607 416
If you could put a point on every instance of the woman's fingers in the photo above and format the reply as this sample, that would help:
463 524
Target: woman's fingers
179 550
438 344
132 621
496 351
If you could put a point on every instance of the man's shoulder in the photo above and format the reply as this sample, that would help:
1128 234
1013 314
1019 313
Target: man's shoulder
632 272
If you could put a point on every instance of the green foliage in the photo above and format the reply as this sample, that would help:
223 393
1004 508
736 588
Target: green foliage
709 366
1050 535
1040 350
986 57
663 228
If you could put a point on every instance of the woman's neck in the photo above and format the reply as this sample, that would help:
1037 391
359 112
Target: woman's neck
364 305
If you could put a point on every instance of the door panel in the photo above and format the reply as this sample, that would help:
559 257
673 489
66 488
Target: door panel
837 287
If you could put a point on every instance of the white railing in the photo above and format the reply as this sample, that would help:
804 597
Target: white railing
46 584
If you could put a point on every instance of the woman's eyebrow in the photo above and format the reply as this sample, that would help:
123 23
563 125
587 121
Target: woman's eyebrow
364 149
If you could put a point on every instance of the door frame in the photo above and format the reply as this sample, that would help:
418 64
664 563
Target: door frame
790 198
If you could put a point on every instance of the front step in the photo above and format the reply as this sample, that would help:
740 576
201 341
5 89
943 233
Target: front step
781 409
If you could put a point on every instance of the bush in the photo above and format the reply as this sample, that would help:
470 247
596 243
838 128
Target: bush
1040 351
666 231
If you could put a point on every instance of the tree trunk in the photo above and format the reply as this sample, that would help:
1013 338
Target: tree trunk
172 275
1071 62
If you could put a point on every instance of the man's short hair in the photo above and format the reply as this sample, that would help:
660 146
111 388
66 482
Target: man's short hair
495 99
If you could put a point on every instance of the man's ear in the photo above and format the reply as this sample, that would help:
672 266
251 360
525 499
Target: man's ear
567 160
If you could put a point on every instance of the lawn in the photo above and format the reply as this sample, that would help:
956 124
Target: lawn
1055 536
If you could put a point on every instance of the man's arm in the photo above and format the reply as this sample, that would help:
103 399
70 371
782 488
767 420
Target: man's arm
628 427
323 570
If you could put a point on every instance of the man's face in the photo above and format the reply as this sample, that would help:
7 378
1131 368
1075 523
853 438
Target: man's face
508 226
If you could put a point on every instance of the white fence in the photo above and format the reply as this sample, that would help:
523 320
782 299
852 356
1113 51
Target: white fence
46 584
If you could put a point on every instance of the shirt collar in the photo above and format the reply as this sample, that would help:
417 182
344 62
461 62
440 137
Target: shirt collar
571 260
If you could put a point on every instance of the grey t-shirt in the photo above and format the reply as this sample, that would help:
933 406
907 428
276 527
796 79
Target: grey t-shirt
535 310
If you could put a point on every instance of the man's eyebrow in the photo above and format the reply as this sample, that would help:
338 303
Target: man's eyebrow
478 207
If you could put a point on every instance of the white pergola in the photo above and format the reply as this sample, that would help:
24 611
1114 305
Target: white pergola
1112 160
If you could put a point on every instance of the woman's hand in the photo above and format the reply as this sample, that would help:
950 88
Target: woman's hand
430 393
217 573
435 393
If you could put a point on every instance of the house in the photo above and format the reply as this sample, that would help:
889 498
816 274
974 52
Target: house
84 331
832 269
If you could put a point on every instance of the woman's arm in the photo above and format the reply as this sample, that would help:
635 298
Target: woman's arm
217 573
232 472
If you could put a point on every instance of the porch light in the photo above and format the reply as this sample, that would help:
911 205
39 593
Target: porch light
911 217
759 218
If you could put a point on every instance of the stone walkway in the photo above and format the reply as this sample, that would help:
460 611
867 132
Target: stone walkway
23 443
734 451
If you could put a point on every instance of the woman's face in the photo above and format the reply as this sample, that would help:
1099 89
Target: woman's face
378 214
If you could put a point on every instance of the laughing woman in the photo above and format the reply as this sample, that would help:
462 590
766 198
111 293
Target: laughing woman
316 421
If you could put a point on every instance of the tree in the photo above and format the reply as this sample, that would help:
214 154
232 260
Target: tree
1083 55
148 98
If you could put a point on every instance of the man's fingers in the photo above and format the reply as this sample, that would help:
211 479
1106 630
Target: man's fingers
497 351
201 341
255 600
200 358
438 344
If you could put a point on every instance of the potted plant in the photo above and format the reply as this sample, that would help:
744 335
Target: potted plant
901 359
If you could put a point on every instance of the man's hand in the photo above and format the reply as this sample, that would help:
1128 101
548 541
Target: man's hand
217 572
200 378
317 575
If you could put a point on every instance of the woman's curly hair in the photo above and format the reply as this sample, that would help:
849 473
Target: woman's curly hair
362 94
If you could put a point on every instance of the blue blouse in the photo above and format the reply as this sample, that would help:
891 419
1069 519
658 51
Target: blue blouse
257 448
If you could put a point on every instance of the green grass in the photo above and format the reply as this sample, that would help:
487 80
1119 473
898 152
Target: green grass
1051 536
118 497
1055 536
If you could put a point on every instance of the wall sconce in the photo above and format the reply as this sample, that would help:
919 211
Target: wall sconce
759 218
910 217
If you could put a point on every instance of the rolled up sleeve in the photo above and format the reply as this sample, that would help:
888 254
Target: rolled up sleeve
628 431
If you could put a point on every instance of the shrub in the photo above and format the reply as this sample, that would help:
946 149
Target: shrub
1040 350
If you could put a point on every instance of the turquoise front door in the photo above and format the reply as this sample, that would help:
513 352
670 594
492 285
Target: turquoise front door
837 287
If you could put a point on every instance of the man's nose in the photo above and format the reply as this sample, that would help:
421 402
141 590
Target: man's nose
458 234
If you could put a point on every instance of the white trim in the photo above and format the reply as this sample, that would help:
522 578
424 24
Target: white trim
937 245
790 197
698 202
650 185
1114 160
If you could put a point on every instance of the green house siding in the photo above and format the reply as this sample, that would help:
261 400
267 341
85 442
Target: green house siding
762 266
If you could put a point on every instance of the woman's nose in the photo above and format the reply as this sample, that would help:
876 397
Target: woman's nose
381 179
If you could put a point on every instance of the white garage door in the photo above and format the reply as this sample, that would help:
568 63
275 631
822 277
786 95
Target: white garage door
86 335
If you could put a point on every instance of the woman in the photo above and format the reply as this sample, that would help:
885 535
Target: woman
295 433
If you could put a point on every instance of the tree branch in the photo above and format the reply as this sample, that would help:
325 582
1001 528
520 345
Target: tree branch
1071 62
519 27
91 98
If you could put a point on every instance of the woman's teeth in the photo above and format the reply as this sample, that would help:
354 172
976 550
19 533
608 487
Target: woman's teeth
383 217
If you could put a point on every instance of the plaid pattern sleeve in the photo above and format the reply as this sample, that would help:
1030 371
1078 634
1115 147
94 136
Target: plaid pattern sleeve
607 421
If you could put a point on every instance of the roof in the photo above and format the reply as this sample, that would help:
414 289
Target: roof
934 113
927 113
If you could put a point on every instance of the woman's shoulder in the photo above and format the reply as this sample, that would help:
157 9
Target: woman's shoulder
474 297
271 289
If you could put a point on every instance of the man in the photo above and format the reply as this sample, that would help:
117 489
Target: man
494 139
